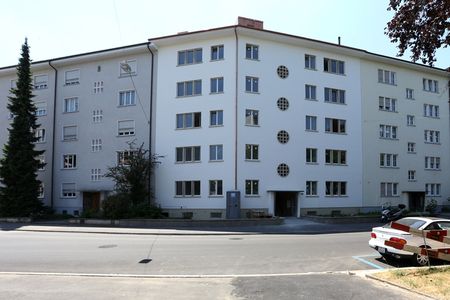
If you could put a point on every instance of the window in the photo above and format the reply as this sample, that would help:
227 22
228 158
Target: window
251 152
283 72
216 85
39 135
251 117
187 188
40 82
432 136
98 87
251 84
388 189
41 159
310 92
336 188
96 174
388 160
123 157
311 123
216 118
189 57
310 62
388 77
410 120
311 188
69 161
68 190
334 95
72 77
411 175
333 66
283 170
70 133
432 163
41 109
283 103
97 116
410 94
335 157
252 52
96 145
311 155
71 105
189 120
335 125
430 85
433 189
216 152
189 88
128 67
388 132
215 188
217 52
387 104
283 136
431 111
252 187
125 127
41 190
127 98
188 154
411 147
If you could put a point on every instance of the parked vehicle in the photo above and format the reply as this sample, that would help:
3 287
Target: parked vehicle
393 213
383 233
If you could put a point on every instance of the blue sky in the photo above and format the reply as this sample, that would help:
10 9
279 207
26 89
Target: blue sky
59 28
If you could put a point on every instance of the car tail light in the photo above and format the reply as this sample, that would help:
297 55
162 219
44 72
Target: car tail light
398 240
373 235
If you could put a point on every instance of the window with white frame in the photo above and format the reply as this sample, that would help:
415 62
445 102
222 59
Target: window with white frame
410 94
431 111
388 77
189 188
251 152
96 145
387 104
126 127
334 95
336 188
333 66
189 120
97 116
41 109
411 147
311 188
128 67
251 84
251 187
311 123
311 155
388 160
39 135
70 133
411 175
69 161
432 163
216 152
430 85
188 154
335 157
251 117
98 87
41 159
410 120
310 92
388 132
123 157
216 85
96 174
310 62
189 88
217 52
72 77
189 57
68 190
389 189
41 190
252 52
432 136
127 98
216 118
215 188
433 189
40 82
335 125
71 105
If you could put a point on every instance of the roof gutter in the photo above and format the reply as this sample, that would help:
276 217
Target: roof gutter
53 135
150 117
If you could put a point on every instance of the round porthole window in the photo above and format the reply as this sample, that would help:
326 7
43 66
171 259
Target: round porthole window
283 72
283 170
283 103
283 136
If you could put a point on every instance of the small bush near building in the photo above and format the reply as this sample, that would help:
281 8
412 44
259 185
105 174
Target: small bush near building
119 206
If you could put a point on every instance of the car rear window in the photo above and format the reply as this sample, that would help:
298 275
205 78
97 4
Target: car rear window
444 225
413 223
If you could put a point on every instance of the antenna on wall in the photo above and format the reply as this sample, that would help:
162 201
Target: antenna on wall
339 40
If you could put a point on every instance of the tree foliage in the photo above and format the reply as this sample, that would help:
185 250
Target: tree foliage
19 186
422 26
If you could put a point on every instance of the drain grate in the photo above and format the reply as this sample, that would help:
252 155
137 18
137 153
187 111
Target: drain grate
145 261
107 246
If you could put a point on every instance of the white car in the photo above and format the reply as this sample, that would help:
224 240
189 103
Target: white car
384 233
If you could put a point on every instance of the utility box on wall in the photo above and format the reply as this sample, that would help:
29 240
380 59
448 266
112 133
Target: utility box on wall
233 204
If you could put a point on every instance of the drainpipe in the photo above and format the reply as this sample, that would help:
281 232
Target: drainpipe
54 135
150 118
236 111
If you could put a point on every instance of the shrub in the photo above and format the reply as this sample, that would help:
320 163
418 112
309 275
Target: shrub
116 206
431 207
145 210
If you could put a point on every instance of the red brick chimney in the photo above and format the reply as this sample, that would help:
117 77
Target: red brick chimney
250 23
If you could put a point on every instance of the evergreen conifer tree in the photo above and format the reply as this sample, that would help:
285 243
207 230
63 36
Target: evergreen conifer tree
19 186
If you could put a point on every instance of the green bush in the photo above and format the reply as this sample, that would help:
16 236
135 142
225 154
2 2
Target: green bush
145 210
431 207
116 206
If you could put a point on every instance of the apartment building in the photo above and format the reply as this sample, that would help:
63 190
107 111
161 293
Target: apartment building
246 120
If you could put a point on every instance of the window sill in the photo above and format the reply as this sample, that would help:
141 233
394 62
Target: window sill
407 125
331 102
387 110
312 196
188 128
251 125
70 112
127 105
412 180
68 169
333 73
312 163
187 162
310 69
187 196
219 59
71 84
412 152
337 133
250 92
188 96
431 117
252 59
430 91
336 196
433 195
387 83
190 64
336 165
392 196
39 142
216 161
216 93
252 160
72 140
311 99
213 126
215 196
125 135
386 167
432 169
127 75
252 196
311 130
62 197
388 139
431 143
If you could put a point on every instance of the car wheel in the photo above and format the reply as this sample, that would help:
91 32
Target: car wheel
421 260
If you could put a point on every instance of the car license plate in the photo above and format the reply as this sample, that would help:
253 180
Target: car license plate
382 250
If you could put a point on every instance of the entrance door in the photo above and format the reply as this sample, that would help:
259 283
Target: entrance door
416 201
286 204
91 201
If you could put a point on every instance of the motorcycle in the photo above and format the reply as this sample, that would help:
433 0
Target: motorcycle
392 213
